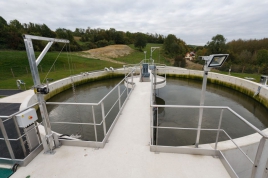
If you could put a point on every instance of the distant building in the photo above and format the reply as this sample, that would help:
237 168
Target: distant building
190 56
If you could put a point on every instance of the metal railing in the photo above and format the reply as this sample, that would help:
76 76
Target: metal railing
106 132
26 155
29 155
154 128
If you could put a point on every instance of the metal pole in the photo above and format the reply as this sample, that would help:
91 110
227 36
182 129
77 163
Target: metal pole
145 56
202 100
131 79
103 118
151 124
154 83
127 86
218 132
40 97
4 133
156 126
12 73
260 166
119 98
125 71
94 121
151 53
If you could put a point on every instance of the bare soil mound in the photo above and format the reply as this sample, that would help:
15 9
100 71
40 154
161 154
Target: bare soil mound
193 66
112 51
108 52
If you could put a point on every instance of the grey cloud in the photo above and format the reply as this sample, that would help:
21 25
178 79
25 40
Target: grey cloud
196 22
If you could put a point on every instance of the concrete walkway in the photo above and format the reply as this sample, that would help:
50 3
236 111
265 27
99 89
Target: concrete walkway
8 92
126 155
17 98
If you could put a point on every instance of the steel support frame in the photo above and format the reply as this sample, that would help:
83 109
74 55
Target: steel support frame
152 50
36 79
4 133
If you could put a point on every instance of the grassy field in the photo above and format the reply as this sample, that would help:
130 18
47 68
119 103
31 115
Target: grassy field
137 55
14 65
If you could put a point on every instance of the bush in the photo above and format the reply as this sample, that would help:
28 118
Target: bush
102 43
179 61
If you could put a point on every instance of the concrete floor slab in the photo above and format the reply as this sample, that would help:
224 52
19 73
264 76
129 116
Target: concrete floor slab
127 154
16 98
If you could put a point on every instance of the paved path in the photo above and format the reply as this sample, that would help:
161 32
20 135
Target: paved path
7 92
7 109
17 98
127 154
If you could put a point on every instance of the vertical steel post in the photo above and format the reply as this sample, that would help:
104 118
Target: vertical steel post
125 71
4 133
156 126
202 100
154 71
131 80
119 97
127 85
103 118
260 166
218 132
94 121
40 97
151 124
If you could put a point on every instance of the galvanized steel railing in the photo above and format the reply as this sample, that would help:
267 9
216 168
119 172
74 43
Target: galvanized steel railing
76 142
104 114
154 134
28 155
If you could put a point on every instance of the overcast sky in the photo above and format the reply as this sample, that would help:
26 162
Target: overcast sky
195 22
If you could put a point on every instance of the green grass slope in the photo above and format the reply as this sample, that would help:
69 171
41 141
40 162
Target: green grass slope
136 56
14 65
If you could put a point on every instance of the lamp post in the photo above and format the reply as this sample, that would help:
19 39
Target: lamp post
152 50
215 60
145 55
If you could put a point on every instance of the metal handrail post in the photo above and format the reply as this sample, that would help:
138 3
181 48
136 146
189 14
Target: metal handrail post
156 126
94 121
260 165
119 98
4 133
202 100
103 118
131 79
125 70
151 124
127 86
219 127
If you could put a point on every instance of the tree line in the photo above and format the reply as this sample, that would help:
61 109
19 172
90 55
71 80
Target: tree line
80 39
245 56
249 56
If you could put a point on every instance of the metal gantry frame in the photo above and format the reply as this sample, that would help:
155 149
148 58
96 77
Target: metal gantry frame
36 79
152 50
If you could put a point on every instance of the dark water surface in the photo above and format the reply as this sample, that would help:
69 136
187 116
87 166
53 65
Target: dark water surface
177 92
87 93
187 92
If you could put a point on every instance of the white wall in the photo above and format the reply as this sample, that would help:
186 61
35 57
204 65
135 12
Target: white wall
56 87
